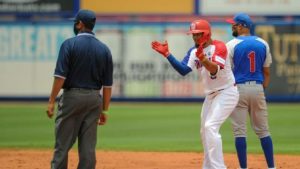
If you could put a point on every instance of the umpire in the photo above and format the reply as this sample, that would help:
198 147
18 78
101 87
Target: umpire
83 67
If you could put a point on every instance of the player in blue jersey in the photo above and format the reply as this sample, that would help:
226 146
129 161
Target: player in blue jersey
251 60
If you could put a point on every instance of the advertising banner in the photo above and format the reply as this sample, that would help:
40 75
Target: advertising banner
129 7
27 57
252 7
39 6
284 41
29 52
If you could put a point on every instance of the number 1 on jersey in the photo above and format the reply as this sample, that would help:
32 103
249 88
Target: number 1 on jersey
251 57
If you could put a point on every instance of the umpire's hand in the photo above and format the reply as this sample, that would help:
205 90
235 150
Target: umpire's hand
102 119
50 110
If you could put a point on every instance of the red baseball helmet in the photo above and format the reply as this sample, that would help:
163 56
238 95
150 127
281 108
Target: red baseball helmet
199 26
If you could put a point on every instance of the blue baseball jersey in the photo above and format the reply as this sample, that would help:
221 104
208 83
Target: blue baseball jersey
84 62
249 55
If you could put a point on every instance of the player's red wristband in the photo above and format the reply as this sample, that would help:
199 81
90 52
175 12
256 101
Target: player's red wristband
166 54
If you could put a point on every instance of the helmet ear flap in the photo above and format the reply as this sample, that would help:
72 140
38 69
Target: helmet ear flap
205 37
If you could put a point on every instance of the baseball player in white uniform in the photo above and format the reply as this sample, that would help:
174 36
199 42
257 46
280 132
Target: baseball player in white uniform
209 57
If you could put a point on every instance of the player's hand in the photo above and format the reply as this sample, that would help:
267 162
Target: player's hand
50 110
161 48
102 119
200 54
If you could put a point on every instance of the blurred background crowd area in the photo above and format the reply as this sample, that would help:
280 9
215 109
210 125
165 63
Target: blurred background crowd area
31 32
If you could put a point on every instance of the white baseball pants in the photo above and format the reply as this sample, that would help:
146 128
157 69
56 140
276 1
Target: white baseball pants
217 107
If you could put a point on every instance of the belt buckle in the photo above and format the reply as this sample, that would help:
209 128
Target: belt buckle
250 82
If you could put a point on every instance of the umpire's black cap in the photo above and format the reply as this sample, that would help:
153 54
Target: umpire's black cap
87 17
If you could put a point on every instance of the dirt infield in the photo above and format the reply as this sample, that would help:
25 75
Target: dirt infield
40 159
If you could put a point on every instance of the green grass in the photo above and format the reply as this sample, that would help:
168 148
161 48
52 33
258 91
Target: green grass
146 127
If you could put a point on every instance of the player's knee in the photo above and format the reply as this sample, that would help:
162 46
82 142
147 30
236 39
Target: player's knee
210 128
239 132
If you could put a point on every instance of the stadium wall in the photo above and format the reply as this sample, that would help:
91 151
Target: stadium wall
31 34
29 51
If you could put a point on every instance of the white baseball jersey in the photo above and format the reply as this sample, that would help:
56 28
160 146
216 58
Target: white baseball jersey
217 53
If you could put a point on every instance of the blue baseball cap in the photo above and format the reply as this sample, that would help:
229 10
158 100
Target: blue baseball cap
86 16
241 18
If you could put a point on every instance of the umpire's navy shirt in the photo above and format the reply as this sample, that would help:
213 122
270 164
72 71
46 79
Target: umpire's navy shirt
84 62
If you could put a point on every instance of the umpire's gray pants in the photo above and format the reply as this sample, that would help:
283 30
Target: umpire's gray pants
77 117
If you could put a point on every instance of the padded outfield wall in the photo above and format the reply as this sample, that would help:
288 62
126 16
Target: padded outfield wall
29 51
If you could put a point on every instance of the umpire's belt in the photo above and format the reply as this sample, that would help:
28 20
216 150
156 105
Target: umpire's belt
250 82
81 89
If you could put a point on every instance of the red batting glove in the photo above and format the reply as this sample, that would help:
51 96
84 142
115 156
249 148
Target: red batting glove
161 48
199 53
